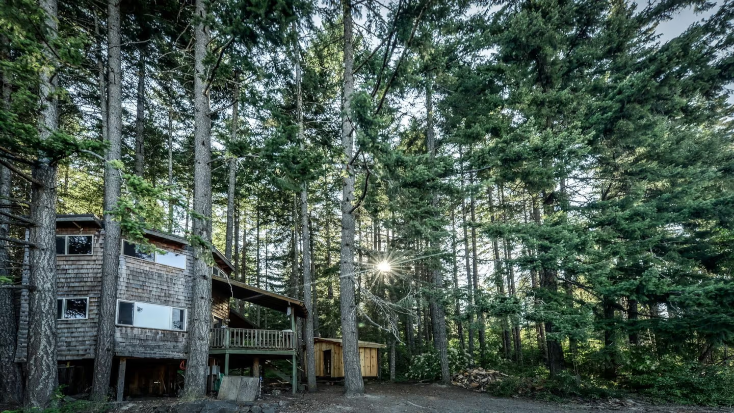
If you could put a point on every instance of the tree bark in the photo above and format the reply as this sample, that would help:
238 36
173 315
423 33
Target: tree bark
353 383
42 376
11 376
232 172
469 282
140 115
306 239
170 170
455 269
200 325
438 321
475 274
105 349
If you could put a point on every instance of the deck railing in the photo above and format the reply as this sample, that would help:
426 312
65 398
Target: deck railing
242 338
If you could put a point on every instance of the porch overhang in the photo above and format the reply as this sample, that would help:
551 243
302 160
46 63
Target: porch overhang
257 296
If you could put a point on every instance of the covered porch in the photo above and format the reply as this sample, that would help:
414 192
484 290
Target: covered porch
256 344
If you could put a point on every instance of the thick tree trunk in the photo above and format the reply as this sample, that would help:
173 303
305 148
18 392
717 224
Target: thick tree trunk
200 324
140 115
105 348
11 376
353 383
42 376
438 321
232 173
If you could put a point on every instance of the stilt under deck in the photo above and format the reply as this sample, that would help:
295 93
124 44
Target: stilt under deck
254 342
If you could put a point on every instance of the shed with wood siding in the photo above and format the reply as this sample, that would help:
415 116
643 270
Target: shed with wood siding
329 361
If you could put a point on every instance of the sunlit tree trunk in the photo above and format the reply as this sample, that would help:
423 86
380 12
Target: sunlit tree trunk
200 320
353 383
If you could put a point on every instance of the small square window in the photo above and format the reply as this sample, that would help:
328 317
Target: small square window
125 313
60 245
72 308
79 244
178 319
132 250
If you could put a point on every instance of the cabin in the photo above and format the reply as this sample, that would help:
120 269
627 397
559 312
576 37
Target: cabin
329 362
154 298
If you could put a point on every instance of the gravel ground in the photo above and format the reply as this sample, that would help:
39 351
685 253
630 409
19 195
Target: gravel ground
394 398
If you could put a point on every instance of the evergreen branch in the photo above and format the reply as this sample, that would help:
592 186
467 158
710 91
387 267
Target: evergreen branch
21 173
216 65
20 218
18 241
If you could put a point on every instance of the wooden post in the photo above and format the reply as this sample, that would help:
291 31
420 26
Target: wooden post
294 378
226 364
121 379
256 367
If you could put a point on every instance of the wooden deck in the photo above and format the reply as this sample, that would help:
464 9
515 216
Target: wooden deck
250 341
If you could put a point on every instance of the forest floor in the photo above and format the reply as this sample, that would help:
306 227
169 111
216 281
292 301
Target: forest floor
394 398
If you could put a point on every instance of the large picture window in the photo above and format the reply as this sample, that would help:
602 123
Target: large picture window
73 245
76 308
168 258
148 315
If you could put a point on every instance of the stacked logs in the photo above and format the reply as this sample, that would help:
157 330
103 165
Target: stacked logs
477 379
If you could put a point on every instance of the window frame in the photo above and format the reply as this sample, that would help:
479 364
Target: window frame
170 316
155 255
63 306
66 243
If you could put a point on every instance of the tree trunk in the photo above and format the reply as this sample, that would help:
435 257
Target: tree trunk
306 239
469 283
140 115
170 170
232 173
438 321
11 376
105 349
353 384
42 375
392 359
455 268
475 275
196 367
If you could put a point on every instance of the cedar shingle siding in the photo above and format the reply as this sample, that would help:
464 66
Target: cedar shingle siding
139 280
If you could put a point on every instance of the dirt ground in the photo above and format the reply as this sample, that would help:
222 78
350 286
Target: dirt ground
394 398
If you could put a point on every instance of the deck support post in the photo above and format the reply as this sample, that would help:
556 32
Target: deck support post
256 367
296 346
121 379
226 364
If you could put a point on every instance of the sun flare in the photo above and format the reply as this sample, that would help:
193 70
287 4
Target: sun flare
383 266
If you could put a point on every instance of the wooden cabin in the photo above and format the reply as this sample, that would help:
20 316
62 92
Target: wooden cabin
330 364
154 297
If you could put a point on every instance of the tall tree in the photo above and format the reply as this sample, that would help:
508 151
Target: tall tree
202 207
105 349
353 383
42 378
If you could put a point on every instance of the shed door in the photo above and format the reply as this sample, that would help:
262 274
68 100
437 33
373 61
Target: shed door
327 363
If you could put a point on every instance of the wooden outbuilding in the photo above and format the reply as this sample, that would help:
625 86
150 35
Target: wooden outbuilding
329 361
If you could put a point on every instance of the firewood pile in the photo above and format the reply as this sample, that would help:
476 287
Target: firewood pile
477 379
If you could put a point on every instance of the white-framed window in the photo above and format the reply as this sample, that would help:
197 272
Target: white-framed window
169 258
72 308
74 244
218 272
147 315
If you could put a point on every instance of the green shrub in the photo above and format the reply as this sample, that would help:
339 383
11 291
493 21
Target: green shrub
682 382
426 366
